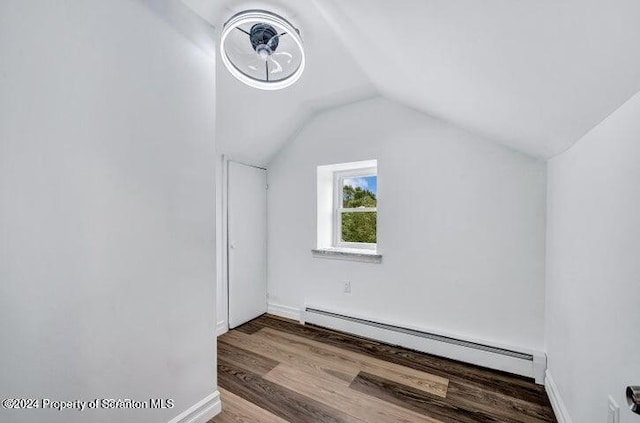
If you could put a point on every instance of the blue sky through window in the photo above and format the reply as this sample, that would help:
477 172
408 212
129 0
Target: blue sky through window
367 182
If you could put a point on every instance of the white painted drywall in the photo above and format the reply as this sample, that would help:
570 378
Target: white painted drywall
593 267
512 71
107 194
461 226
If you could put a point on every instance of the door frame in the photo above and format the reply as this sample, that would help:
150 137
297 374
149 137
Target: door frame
223 245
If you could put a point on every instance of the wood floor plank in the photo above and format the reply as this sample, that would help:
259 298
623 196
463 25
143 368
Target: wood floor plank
507 385
276 399
306 374
280 353
470 396
499 382
245 359
461 401
238 410
426 382
341 397
403 396
249 328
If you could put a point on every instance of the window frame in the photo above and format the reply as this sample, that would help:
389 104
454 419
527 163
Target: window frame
338 210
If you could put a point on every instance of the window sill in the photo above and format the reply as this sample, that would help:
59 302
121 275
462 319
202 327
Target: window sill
347 254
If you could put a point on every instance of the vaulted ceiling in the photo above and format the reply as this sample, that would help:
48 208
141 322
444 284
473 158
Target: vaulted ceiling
535 75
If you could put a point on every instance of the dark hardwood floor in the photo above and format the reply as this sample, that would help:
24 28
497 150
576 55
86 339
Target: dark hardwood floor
276 370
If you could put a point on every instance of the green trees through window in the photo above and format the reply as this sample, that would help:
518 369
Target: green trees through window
359 225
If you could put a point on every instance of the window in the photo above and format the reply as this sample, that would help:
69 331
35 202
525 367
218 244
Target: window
347 211
356 208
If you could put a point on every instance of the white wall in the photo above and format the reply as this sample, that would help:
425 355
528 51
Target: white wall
593 267
461 226
107 251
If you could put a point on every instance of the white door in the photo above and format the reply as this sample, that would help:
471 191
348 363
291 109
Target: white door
247 242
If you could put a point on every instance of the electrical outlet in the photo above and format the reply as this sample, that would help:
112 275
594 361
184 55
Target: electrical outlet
347 287
613 415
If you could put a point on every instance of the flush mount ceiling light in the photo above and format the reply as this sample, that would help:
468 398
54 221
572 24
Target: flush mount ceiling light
262 50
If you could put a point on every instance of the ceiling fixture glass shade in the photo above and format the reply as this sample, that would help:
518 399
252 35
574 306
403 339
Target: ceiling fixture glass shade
262 49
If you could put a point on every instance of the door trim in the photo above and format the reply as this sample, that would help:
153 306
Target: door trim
222 325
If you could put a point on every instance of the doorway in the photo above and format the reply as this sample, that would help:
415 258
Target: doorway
246 242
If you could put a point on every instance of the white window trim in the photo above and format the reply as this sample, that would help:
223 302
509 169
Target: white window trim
338 180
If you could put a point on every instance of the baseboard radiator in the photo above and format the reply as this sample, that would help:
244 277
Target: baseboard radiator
517 361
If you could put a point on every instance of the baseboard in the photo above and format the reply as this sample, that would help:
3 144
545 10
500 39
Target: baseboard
284 311
221 328
560 410
507 358
202 411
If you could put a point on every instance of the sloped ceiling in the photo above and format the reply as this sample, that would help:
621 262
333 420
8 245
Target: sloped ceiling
252 125
535 75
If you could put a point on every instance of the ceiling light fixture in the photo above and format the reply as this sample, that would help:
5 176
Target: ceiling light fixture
262 49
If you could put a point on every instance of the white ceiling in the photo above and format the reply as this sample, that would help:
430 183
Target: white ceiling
532 74
252 125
